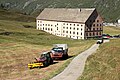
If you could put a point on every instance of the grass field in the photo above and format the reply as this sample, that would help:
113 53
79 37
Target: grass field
20 45
111 30
105 63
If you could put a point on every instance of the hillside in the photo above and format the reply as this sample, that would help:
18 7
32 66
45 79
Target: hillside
109 9
20 43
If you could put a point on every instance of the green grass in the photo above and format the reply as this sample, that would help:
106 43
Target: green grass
19 46
105 63
111 30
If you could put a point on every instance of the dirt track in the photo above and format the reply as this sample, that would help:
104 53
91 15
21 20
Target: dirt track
76 67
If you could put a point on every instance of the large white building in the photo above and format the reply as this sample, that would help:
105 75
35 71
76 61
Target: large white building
75 23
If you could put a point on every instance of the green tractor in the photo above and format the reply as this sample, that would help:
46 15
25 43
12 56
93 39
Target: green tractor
44 61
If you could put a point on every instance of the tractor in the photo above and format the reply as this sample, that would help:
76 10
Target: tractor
44 61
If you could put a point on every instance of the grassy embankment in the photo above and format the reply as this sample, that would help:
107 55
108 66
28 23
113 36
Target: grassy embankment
19 46
105 63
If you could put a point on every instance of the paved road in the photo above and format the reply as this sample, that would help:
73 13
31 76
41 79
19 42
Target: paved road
76 67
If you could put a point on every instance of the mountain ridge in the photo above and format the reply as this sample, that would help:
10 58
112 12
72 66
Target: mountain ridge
109 9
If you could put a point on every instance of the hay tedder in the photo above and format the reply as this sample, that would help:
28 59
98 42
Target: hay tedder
44 60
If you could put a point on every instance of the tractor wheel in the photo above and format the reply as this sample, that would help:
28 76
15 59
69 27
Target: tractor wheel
45 64
51 61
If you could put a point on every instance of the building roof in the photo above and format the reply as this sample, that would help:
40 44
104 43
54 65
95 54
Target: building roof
66 14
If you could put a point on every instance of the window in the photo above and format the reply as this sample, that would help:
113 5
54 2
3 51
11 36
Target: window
93 33
97 33
43 28
73 32
51 25
81 25
70 24
48 29
38 24
73 28
86 34
45 24
77 33
100 33
51 29
70 32
90 25
97 24
74 24
94 25
63 27
97 28
81 33
90 34
70 27
57 23
57 28
93 29
97 20
66 27
66 31
48 24
63 31
77 24
100 25
77 28
81 29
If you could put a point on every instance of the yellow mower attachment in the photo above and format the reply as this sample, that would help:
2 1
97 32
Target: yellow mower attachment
34 65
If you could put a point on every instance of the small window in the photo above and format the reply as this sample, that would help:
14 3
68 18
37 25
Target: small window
70 27
81 25
43 28
77 28
97 20
38 24
93 33
94 25
45 24
74 24
66 27
77 33
48 24
70 24
63 27
73 28
97 24
51 29
57 28
81 33
48 29
90 34
81 29
73 32
94 29
63 31
70 32
66 31
77 24
57 23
